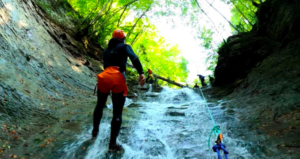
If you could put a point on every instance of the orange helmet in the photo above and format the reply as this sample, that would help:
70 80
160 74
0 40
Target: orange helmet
118 34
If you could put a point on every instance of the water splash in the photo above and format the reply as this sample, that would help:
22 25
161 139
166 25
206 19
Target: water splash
174 124
150 88
127 103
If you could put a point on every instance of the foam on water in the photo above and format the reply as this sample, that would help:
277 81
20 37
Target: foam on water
173 125
127 103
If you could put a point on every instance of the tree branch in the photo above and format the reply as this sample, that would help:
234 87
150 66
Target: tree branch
103 8
133 27
209 19
91 11
113 14
222 16
241 13
121 16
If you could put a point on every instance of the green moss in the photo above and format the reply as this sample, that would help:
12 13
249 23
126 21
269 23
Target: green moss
60 11
45 7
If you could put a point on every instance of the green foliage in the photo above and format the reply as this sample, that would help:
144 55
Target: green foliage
212 58
243 18
100 17
161 58
206 37
243 14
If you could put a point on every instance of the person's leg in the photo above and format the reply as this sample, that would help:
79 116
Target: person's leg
202 82
118 100
102 97
151 81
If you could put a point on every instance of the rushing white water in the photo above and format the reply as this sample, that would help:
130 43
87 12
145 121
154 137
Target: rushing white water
173 125
127 103
150 88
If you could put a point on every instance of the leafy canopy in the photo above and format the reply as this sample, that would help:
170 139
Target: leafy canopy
99 18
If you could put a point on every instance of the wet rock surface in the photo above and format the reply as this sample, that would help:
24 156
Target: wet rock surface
45 90
47 81
258 73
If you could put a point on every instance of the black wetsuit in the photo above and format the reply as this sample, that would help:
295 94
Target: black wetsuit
115 55
202 79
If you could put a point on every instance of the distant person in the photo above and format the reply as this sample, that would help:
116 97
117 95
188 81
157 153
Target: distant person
112 79
196 86
211 80
149 72
202 79
150 79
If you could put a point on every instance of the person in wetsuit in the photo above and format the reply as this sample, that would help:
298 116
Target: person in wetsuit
202 79
196 86
150 79
113 79
149 72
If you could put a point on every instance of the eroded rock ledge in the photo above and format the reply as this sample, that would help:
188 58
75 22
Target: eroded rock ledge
259 74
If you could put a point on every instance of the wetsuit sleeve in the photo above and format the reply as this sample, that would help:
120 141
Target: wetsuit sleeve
134 59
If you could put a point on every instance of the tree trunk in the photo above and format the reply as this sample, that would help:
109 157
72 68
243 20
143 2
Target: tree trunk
103 8
112 1
85 28
112 15
168 80
135 38
164 79
133 27
91 12
121 16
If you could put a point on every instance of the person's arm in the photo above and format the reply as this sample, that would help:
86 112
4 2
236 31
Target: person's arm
134 59
136 63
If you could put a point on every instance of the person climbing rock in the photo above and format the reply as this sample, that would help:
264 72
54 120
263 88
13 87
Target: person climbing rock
149 71
113 79
149 77
202 78
196 86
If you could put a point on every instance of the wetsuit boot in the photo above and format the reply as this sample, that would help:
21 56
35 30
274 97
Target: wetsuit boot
101 100
118 100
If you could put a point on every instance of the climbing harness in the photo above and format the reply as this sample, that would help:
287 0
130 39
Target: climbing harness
216 129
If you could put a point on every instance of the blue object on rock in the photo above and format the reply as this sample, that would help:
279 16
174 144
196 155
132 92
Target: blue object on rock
219 147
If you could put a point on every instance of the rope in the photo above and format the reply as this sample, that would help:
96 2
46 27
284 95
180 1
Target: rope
211 117
216 129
